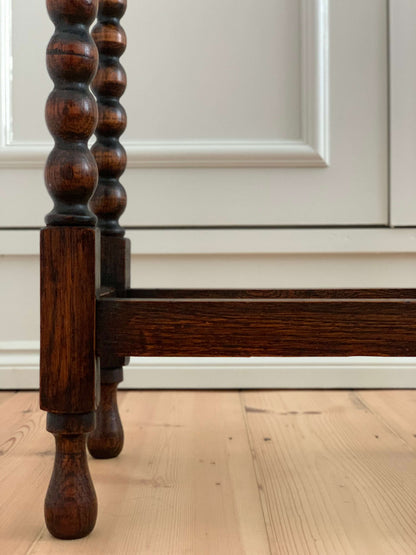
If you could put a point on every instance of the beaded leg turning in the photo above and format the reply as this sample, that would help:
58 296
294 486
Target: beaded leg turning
69 276
108 203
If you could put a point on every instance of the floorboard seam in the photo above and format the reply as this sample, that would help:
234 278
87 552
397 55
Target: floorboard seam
251 447
384 422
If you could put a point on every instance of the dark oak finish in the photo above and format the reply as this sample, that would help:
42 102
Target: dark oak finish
107 440
109 200
71 503
85 315
271 293
108 203
71 112
68 372
115 263
69 273
280 326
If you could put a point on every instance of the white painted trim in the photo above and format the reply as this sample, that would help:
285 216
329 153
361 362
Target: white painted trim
315 77
19 369
6 74
241 241
226 154
311 151
19 365
402 15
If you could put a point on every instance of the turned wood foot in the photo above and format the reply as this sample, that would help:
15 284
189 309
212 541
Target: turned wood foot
106 441
71 502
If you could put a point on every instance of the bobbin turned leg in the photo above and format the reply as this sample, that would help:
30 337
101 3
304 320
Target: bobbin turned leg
69 277
71 503
107 439
108 203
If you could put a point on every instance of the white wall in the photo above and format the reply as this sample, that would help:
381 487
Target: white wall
20 315
243 114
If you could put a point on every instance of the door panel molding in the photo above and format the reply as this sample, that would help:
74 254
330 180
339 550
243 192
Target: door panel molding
19 369
311 151
402 17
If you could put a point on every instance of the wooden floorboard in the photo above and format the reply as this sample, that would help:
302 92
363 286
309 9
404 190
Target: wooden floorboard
397 409
5 395
184 484
333 477
26 454
293 472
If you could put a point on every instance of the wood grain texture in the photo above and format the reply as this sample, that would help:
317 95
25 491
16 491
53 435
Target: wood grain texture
271 326
109 200
71 502
69 273
333 478
272 293
107 439
184 483
396 409
325 479
68 283
71 112
115 273
26 459
115 263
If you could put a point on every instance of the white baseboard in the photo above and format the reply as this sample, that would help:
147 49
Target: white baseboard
19 369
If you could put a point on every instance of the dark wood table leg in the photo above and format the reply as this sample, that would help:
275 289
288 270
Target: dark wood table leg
108 203
69 276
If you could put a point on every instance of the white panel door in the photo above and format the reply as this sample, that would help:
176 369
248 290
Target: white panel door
403 112
241 112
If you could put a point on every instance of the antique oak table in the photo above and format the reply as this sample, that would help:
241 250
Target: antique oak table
90 318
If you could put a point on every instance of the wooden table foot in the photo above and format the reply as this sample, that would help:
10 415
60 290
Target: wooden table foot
106 441
71 502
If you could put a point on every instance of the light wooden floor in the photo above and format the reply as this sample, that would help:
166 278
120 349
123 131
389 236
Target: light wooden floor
295 472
